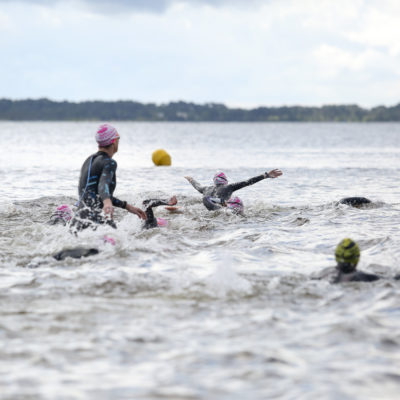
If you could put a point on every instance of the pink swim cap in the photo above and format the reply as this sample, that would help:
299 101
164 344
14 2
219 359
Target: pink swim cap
64 212
162 222
109 239
235 204
106 135
220 179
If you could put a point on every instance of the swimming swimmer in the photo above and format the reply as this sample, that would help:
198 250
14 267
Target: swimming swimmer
215 197
76 252
347 255
151 220
235 205
97 183
355 201
62 215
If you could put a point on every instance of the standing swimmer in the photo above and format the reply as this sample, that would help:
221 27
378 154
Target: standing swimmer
215 197
97 183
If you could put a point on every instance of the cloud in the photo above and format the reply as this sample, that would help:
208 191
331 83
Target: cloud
151 6
334 60
252 52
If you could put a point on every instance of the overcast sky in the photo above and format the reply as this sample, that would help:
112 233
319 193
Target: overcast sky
243 53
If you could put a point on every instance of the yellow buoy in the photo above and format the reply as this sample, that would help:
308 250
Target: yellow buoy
161 157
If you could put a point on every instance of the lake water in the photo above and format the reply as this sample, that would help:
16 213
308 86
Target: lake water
214 306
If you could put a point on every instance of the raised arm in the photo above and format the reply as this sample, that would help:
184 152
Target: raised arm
271 174
195 184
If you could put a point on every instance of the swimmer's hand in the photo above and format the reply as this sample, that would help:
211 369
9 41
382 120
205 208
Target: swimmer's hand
172 201
108 208
274 173
137 211
189 178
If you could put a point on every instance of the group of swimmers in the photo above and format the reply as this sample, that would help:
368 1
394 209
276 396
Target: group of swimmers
98 181
96 204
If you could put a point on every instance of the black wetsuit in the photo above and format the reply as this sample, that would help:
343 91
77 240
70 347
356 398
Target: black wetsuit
151 220
214 197
355 201
93 190
335 275
76 252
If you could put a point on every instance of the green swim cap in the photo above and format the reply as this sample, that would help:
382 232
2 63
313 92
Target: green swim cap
347 252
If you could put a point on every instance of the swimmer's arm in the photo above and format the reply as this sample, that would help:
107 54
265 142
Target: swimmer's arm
160 202
271 174
108 199
105 181
128 207
155 203
251 181
195 184
118 203
137 211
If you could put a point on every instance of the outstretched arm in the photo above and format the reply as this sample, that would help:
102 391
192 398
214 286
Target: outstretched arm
195 184
271 174
150 203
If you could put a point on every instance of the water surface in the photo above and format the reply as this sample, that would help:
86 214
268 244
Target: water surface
215 306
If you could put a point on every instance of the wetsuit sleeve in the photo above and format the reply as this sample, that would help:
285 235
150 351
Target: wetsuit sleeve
106 178
117 202
155 203
197 186
106 183
251 181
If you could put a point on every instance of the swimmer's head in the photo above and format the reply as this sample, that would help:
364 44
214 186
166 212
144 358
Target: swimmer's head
62 215
162 222
347 255
64 212
109 239
106 135
220 179
235 204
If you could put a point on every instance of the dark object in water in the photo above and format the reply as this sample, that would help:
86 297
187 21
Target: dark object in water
76 252
355 201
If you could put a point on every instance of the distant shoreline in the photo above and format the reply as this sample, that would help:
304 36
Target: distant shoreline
48 110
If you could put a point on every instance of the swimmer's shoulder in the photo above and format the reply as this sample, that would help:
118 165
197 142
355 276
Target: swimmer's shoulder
360 276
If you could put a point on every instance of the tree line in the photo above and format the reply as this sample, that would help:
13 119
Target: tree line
48 110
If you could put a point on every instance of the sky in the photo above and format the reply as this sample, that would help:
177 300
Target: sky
242 53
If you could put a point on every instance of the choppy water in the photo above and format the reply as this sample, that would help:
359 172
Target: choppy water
214 306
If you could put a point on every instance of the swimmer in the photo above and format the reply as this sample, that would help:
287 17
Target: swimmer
97 183
235 205
347 255
151 220
215 197
76 252
355 201
62 215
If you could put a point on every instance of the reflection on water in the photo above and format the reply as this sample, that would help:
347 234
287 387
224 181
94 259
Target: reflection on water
215 306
